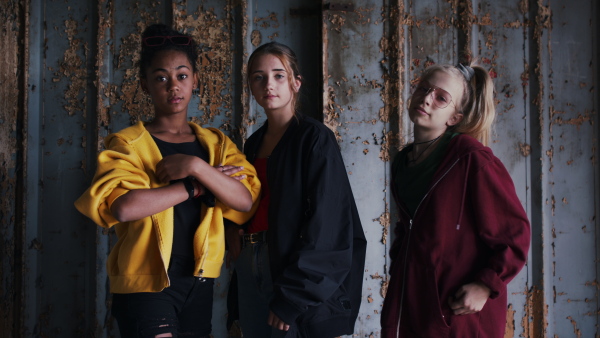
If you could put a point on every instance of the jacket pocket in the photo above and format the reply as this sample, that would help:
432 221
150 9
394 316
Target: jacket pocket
330 319
424 306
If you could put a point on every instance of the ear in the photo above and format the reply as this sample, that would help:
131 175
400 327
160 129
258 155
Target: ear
196 80
454 119
144 85
297 83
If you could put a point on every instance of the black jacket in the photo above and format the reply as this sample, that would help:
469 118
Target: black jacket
316 241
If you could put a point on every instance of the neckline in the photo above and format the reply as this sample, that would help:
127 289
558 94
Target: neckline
167 142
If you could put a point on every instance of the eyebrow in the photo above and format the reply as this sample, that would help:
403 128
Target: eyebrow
164 70
275 70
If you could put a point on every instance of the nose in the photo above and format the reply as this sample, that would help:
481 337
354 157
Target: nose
269 81
172 86
428 99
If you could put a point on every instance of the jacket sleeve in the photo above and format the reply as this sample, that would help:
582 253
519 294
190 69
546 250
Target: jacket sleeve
323 256
233 156
502 225
399 231
119 170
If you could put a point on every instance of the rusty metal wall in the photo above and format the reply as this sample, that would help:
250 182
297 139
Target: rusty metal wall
68 79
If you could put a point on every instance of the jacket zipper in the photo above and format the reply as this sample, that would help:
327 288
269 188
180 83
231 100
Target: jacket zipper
155 223
206 241
408 242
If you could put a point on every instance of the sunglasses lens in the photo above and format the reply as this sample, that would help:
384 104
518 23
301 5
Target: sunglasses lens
181 40
442 98
421 90
154 41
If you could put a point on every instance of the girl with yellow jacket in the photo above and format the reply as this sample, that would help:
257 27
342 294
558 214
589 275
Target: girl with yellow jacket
163 185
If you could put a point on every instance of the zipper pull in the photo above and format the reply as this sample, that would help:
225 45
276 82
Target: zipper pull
410 226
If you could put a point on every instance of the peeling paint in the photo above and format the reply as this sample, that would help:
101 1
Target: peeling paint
509 331
74 69
534 321
256 38
213 28
576 331
214 37
384 220
525 149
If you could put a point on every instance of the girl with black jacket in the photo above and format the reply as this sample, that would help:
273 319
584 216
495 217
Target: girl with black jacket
301 267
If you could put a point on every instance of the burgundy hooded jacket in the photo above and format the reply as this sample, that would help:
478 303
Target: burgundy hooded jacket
470 226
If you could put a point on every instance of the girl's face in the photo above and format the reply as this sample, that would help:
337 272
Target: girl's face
170 80
270 84
433 103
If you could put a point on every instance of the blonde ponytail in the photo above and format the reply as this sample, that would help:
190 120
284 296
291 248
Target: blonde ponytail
477 106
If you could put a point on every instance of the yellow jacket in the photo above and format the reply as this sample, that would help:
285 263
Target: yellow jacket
140 258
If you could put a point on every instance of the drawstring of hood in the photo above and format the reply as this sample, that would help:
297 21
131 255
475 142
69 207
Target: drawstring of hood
464 194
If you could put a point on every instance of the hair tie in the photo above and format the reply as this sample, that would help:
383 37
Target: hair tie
466 71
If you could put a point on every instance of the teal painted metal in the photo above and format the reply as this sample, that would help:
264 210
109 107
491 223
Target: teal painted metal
358 67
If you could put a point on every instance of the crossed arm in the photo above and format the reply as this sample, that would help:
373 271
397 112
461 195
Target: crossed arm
140 203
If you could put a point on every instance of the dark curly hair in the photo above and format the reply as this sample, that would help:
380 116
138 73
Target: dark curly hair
149 52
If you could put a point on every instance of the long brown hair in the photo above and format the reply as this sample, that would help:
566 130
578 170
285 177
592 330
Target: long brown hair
289 60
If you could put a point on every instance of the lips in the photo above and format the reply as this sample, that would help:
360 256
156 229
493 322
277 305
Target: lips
421 111
175 99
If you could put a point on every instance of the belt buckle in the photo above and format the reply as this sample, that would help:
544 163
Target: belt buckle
254 238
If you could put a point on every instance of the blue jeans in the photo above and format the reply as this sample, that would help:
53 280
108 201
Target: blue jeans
255 289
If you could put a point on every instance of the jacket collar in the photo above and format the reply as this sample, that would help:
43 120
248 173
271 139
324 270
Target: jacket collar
260 133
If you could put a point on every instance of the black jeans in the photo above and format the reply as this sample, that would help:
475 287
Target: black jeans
183 309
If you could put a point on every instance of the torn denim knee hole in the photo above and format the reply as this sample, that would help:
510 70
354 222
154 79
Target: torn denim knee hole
154 327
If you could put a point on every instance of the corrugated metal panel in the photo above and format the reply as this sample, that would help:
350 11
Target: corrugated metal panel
11 105
355 108
69 79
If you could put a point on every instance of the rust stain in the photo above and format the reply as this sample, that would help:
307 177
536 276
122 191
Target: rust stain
331 113
245 99
256 38
384 221
509 331
268 21
103 95
364 16
524 6
534 321
442 23
515 24
13 91
578 121
384 154
214 37
466 18
525 149
133 100
337 21
74 69
576 331
489 41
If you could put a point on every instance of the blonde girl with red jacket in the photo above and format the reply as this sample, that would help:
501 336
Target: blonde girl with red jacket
462 234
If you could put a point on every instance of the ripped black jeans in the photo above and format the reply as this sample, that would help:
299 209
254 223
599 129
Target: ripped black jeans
184 309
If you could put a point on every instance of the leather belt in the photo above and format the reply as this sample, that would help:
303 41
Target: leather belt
255 238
